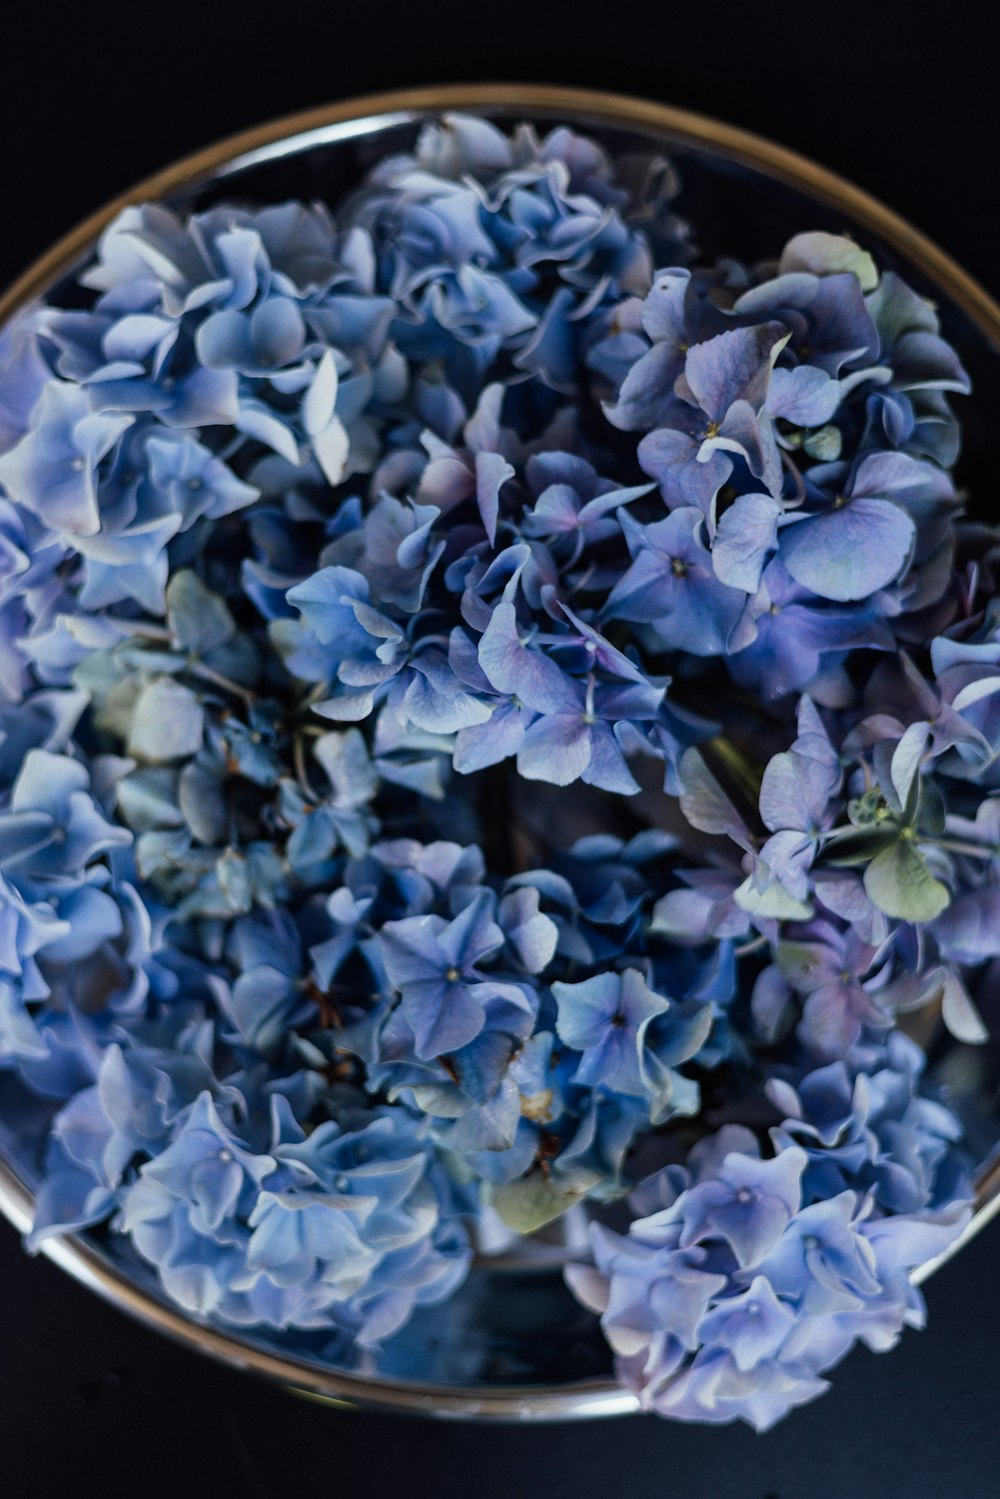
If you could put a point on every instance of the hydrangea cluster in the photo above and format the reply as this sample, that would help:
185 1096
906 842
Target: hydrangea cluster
744 1278
497 717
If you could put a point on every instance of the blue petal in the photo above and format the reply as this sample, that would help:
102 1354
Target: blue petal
849 551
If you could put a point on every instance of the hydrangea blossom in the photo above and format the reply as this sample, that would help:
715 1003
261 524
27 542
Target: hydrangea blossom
478 687
743 1280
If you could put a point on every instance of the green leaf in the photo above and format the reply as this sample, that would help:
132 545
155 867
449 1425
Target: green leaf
731 767
199 620
824 444
115 702
147 799
531 1202
202 802
932 809
772 903
167 723
859 845
824 254
900 883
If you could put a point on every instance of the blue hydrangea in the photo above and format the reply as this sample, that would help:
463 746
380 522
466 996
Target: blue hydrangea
478 687
350 1229
743 1280
493 246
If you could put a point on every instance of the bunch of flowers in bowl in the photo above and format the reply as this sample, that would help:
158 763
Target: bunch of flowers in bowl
498 732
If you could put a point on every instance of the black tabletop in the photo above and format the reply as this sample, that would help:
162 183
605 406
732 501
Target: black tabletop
92 1403
908 105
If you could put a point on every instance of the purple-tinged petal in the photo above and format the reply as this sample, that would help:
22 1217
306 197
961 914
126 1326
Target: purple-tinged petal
746 534
850 550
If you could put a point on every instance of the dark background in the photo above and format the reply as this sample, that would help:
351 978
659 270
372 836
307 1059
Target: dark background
97 97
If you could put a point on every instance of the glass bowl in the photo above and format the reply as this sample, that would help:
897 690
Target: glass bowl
513 1344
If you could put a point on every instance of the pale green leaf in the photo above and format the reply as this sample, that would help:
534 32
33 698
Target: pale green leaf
900 884
773 903
531 1202
199 620
167 723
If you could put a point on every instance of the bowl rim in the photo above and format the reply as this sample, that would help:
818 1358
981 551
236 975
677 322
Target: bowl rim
326 124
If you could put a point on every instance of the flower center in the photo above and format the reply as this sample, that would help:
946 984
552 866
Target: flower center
452 974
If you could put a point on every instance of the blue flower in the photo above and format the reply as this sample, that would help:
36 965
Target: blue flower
53 470
797 792
206 1167
334 604
822 1259
364 1224
256 343
796 637
837 975
275 469
743 1323
966 671
672 586
186 478
267 1001
675 314
863 536
574 508
432 962
579 739
912 413
865 1125
25 929
53 826
820 294
509 250
752 1326
630 1037
718 409
23 375
749 1203
607 1018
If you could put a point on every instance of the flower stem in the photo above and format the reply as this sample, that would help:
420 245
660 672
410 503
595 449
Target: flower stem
208 674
